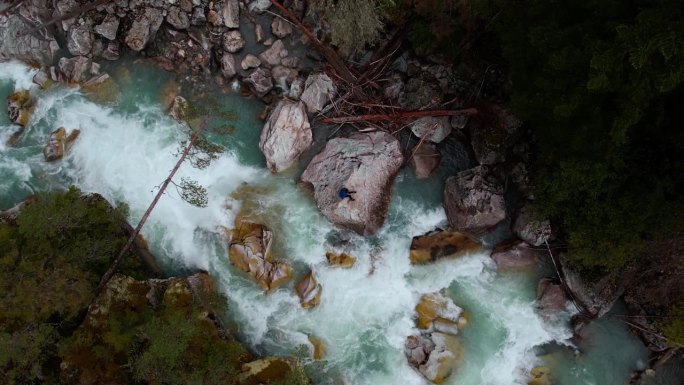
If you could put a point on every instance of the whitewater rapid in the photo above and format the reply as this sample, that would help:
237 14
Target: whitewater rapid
365 313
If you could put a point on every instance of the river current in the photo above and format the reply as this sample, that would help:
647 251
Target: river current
127 148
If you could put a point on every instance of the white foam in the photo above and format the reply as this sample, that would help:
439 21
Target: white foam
18 73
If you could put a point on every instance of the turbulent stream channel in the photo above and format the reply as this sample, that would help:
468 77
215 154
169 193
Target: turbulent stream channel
126 149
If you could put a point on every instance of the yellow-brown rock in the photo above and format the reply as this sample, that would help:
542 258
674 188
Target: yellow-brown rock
540 375
442 244
250 251
318 347
309 291
59 143
266 370
19 107
438 312
101 89
340 260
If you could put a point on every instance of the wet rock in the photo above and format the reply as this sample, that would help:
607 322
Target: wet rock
59 143
250 61
101 89
274 53
112 51
228 67
17 43
19 107
143 29
42 78
80 40
540 375
365 163
233 41
259 81
437 312
292 62
259 6
309 291
550 296
108 28
231 13
177 18
318 91
434 129
514 255
424 160
286 135
474 200
435 355
440 244
492 134
266 370
534 232
280 28
74 70
318 348
250 251
198 17
343 260
179 108
259 33
296 89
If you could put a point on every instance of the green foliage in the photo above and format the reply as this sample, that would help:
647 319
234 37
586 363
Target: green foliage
600 83
674 327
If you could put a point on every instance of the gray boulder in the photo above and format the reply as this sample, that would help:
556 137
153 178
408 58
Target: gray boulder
233 41
424 160
259 81
318 91
108 27
474 200
365 163
231 13
17 43
74 70
533 231
280 28
250 61
228 67
515 255
80 40
143 29
177 18
435 129
274 54
550 296
286 135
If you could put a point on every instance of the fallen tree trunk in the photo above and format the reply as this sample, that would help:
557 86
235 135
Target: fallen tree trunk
398 116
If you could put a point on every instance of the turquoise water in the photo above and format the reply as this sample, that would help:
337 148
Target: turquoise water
127 148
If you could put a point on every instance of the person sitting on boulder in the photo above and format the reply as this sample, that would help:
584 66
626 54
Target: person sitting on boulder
345 193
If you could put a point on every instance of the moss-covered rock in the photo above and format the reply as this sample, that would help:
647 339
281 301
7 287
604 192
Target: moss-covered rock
343 260
441 244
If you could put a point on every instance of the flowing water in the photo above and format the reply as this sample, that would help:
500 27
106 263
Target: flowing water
127 148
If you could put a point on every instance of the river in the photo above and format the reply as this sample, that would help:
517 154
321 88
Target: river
127 148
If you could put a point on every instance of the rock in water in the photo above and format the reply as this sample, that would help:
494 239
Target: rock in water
286 135
424 160
514 255
259 81
179 109
439 313
231 14
474 200
534 232
309 291
550 296
280 27
440 244
318 90
434 355
365 163
19 106
250 251
340 260
80 40
74 70
108 27
540 375
59 143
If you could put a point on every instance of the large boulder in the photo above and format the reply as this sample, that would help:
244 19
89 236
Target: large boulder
18 41
259 81
531 230
474 200
143 29
550 296
108 27
434 129
250 251
74 70
434 355
318 91
286 135
309 291
365 163
437 312
80 40
19 107
59 143
514 255
440 244
424 160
